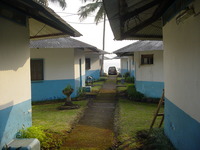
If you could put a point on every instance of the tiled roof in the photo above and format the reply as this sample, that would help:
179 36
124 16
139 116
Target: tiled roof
65 42
141 46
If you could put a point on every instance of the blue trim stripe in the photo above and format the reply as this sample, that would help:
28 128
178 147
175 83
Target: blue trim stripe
123 71
94 73
182 129
51 89
150 88
79 84
13 119
132 73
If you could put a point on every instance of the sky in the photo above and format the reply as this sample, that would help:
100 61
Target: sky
92 33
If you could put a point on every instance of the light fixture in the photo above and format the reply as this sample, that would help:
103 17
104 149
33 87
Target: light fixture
184 15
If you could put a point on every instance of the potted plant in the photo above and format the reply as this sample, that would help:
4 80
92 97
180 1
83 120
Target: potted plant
68 91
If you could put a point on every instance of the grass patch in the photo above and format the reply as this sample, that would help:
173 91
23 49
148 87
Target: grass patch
96 88
96 85
123 87
134 116
154 139
103 78
50 117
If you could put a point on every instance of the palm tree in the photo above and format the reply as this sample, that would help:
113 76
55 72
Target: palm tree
85 11
62 3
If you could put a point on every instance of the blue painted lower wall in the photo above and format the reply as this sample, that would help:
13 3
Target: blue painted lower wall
94 73
12 119
79 84
123 71
132 73
182 130
51 89
150 88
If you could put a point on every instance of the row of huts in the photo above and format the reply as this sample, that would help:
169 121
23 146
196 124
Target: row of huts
33 66
176 23
57 62
144 61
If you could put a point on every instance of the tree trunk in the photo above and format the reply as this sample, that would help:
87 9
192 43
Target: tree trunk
103 48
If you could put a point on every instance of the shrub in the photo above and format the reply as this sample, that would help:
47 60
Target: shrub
81 91
119 75
154 139
133 94
129 79
46 138
127 74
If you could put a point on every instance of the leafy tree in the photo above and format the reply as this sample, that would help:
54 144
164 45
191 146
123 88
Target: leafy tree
89 8
62 3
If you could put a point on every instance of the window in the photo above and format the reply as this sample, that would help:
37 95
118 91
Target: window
87 64
37 72
147 59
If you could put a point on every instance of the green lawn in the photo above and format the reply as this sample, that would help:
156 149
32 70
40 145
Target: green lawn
123 87
98 84
135 116
50 117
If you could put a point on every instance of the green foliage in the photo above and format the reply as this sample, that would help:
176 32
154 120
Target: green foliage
154 139
68 88
135 116
32 132
129 79
127 74
61 3
89 8
119 75
49 116
46 138
133 94
81 91
104 78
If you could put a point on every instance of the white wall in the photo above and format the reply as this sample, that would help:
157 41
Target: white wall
14 64
79 54
15 88
127 64
58 63
182 63
124 62
95 61
150 72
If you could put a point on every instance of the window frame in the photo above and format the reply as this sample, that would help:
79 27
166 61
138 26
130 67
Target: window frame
41 77
149 57
87 61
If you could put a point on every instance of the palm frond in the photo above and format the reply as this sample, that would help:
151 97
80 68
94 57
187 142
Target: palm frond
62 3
100 14
88 9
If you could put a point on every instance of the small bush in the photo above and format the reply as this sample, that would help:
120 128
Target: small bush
81 91
119 75
133 94
127 74
154 139
46 138
129 79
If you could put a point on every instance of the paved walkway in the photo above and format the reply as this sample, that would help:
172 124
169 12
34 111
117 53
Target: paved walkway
95 129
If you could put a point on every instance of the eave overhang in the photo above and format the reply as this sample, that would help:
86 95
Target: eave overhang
136 19
41 18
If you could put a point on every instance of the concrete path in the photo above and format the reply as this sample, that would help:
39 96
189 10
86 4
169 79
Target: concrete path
95 129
